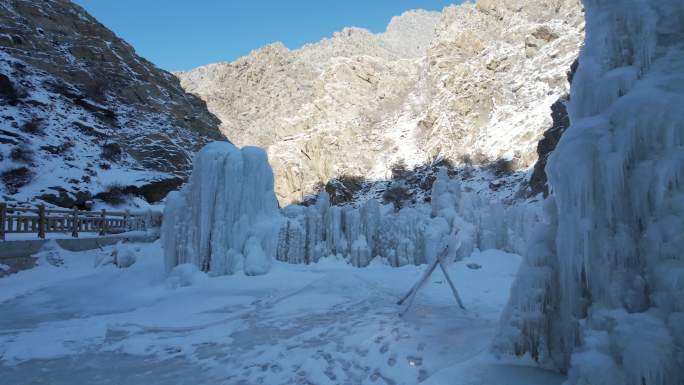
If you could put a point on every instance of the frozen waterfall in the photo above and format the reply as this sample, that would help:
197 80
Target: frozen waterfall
602 291
412 235
226 220
226 217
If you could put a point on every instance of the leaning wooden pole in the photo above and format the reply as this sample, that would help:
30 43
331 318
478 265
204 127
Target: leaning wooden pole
418 284
451 284
75 223
3 211
42 222
411 295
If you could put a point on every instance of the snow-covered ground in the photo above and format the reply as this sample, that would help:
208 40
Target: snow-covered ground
327 323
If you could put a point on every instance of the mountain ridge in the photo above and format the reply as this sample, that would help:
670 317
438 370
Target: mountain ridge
467 89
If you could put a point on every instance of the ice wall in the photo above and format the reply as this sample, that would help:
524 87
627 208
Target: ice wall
602 291
226 220
412 235
226 217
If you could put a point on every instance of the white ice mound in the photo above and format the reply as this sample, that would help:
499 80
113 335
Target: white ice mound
227 211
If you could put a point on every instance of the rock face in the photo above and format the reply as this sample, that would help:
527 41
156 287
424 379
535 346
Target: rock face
472 83
81 112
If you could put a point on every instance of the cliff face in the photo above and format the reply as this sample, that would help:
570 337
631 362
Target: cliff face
472 83
81 109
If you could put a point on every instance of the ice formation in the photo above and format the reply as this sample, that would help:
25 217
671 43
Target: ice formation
226 217
226 220
412 235
601 294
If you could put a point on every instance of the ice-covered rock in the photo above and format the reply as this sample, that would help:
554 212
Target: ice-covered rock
257 262
124 255
183 275
602 287
227 210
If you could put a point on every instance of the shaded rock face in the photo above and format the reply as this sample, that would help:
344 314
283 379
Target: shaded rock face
475 81
92 111
561 121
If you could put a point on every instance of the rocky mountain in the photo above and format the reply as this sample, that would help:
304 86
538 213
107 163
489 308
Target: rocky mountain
82 115
473 84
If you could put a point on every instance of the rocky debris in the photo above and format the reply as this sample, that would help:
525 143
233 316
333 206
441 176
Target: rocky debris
342 189
152 192
475 80
88 109
16 178
64 198
7 91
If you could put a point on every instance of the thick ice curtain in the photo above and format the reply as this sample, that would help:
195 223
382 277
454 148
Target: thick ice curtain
226 217
616 175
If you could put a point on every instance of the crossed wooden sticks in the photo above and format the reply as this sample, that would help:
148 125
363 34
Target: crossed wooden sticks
411 295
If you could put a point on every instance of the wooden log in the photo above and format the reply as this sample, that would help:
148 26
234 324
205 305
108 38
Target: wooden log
451 284
410 297
41 221
3 211
418 284
103 224
74 222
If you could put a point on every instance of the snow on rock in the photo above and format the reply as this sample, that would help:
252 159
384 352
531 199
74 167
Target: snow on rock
226 211
183 275
474 81
256 260
608 275
83 117
124 255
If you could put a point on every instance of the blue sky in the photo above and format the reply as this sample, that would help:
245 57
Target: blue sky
183 34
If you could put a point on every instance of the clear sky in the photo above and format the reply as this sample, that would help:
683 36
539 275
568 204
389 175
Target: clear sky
183 34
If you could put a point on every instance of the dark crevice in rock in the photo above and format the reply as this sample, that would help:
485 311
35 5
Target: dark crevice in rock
561 121
7 91
152 192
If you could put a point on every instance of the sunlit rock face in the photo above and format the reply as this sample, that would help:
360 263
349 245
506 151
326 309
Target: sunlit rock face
601 292
474 82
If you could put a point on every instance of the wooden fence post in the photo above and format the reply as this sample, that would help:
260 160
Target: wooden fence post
3 210
41 221
74 223
103 224
125 220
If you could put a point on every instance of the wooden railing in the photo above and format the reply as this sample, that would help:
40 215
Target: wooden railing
41 220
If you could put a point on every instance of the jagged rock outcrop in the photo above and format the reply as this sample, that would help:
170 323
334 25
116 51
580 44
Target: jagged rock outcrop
474 82
82 112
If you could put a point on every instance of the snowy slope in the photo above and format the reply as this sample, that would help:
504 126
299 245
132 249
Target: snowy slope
81 113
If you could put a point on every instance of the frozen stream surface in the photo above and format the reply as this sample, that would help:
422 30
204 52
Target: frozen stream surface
67 322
